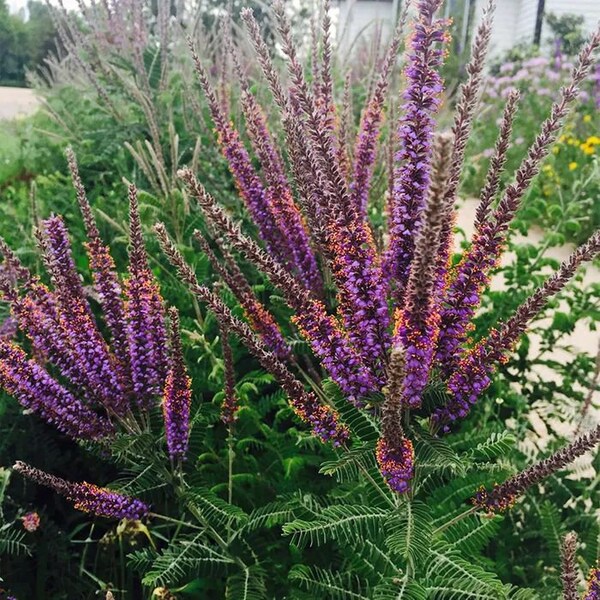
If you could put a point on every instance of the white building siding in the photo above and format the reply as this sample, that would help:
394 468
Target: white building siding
525 25
362 17
514 20
505 24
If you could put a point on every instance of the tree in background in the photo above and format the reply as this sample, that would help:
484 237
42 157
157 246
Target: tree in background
25 40
567 30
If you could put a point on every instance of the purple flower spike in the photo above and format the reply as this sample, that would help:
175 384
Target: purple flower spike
418 322
361 290
289 219
109 290
103 502
37 391
593 586
330 344
106 280
324 421
177 396
146 333
79 328
248 183
365 151
37 314
396 463
413 161
464 294
88 497
473 373
470 379
418 341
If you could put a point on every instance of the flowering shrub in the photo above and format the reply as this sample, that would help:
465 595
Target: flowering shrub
539 79
376 353
562 199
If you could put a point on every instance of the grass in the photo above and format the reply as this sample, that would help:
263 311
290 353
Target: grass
10 151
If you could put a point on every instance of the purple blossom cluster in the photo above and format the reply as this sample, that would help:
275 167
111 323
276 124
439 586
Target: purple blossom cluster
88 497
389 312
592 591
278 219
177 397
145 317
413 160
77 325
540 75
76 380
39 392
396 460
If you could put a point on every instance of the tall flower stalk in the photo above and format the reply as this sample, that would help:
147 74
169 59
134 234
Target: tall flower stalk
503 496
88 497
145 314
413 161
177 395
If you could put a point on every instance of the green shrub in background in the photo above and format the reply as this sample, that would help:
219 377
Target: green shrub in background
570 180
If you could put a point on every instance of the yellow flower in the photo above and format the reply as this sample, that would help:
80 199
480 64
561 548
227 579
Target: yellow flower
593 139
556 149
587 118
573 166
587 148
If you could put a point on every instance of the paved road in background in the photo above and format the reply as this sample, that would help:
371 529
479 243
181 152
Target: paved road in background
16 102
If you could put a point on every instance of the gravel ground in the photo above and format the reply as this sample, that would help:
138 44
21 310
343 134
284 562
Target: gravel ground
17 102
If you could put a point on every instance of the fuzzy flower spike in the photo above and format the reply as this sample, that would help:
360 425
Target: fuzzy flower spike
106 280
568 571
79 329
177 395
88 497
413 161
395 454
144 306
417 323
503 496
36 390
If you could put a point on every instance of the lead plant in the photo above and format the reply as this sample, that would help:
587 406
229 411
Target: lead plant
92 387
393 361
405 299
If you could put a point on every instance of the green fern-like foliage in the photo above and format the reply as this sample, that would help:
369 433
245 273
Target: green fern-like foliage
12 541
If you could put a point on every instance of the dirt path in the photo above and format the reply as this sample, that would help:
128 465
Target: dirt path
582 338
17 102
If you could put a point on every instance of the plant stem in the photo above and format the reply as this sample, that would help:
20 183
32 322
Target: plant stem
455 520
176 521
